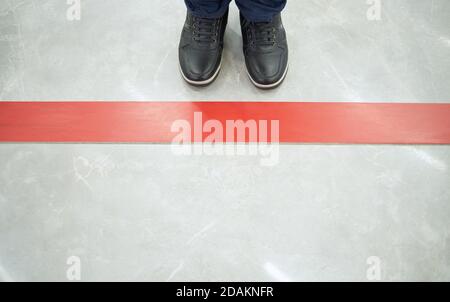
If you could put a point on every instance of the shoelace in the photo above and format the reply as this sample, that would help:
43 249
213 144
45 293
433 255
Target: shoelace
264 33
205 30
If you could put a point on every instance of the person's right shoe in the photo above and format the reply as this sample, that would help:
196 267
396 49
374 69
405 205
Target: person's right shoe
265 51
200 49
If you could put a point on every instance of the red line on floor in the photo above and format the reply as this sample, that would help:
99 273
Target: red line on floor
150 122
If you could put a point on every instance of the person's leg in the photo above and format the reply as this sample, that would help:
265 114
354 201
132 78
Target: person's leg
260 10
264 41
201 43
207 8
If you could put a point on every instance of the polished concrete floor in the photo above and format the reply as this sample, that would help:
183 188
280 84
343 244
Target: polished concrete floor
139 212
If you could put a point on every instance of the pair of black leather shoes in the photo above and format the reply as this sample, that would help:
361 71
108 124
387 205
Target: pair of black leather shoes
264 43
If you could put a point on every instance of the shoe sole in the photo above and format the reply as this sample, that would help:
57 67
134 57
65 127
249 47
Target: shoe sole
269 86
204 82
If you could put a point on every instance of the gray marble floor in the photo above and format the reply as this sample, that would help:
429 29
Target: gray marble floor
129 51
139 212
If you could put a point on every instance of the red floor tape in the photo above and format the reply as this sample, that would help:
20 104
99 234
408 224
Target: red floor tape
151 122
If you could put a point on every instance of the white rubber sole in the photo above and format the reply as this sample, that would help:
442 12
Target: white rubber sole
262 86
205 82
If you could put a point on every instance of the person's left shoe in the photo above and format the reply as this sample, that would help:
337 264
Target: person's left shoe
265 51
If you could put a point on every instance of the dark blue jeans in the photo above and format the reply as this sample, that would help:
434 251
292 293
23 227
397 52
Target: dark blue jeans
253 10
